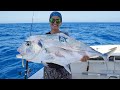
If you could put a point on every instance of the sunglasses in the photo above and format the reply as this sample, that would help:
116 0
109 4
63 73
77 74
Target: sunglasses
52 20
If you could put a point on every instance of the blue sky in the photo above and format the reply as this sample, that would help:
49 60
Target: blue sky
68 16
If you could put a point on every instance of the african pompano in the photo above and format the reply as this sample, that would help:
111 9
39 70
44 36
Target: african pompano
57 48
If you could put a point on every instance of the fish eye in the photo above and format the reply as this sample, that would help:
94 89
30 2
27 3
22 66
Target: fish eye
28 43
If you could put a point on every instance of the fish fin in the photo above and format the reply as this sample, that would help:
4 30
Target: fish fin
23 63
106 55
67 68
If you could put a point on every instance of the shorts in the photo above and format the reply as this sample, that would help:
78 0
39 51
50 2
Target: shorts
56 73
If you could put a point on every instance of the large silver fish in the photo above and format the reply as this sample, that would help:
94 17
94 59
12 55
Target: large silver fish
57 48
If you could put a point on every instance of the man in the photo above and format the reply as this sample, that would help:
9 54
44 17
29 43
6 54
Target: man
52 70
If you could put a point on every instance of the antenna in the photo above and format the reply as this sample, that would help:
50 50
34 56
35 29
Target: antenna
26 71
32 23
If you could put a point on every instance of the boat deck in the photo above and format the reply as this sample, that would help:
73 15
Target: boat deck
96 70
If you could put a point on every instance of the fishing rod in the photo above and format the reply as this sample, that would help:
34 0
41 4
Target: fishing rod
26 71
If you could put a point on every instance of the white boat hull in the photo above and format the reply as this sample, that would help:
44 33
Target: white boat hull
96 70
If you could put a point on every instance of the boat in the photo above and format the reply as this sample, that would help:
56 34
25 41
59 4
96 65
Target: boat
94 68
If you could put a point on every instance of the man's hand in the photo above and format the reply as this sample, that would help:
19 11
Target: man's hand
85 58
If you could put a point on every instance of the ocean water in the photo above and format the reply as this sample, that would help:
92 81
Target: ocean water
12 35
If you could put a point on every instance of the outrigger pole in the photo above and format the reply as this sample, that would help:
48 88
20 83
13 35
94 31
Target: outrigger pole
26 71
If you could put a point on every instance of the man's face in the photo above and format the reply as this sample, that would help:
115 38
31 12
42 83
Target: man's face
55 22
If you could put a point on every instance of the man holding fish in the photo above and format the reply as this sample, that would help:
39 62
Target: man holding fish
56 50
52 70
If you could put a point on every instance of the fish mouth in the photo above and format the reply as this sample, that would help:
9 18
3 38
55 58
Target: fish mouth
19 56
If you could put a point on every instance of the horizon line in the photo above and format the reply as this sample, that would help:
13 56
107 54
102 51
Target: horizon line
62 22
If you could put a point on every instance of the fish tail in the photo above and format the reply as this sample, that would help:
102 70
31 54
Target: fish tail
107 55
